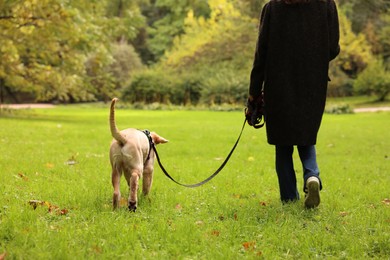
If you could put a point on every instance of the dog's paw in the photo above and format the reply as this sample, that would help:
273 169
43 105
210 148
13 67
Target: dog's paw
133 206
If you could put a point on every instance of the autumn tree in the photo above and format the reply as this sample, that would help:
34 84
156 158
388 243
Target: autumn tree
212 57
165 21
45 46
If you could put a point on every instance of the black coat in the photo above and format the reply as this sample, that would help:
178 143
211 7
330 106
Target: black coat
295 45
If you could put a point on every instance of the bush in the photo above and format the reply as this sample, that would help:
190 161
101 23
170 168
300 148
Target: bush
152 86
214 86
225 86
374 80
339 109
340 85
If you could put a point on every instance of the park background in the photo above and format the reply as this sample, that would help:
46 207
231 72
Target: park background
173 64
165 51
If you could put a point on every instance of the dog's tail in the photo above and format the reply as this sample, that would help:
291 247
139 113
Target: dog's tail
114 130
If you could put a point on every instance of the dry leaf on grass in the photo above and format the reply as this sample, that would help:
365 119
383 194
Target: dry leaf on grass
251 245
3 255
49 165
23 176
51 208
123 202
343 213
215 233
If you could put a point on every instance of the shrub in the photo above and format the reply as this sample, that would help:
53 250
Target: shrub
339 109
151 86
374 80
225 87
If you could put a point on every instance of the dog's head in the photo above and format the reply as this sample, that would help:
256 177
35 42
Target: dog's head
158 139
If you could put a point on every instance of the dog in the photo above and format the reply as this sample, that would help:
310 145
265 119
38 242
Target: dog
131 153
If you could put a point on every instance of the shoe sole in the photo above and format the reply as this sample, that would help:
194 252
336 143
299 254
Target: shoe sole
313 195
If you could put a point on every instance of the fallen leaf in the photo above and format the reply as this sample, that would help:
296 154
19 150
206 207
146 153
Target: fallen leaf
50 207
53 227
24 177
249 245
63 211
49 165
235 216
178 207
199 223
236 196
97 250
71 162
215 233
251 159
263 203
36 203
343 213
123 202
3 255
386 201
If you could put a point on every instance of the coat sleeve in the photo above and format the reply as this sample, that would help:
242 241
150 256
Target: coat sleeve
258 69
334 34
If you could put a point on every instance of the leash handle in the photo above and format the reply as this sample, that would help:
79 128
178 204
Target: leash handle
209 178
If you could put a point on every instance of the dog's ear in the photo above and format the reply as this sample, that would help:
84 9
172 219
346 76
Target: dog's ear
158 139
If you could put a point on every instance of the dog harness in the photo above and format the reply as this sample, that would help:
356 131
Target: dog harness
151 144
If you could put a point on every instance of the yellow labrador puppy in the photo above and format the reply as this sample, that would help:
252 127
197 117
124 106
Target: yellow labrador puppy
131 153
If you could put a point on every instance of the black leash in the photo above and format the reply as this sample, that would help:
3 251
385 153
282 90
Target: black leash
209 178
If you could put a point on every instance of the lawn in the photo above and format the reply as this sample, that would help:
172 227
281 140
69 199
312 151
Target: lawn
56 161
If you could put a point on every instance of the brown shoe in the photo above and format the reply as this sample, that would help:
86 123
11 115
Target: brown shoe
313 193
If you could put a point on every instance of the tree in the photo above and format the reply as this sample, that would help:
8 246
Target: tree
359 12
226 36
356 51
372 18
165 21
45 45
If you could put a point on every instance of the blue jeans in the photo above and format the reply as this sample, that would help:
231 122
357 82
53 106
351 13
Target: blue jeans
285 169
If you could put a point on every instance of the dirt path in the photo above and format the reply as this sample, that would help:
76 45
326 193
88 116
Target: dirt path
25 106
370 109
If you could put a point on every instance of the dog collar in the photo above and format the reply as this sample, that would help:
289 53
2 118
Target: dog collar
147 133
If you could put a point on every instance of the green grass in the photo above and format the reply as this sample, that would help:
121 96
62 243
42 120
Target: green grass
236 215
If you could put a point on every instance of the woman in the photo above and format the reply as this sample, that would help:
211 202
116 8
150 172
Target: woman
297 40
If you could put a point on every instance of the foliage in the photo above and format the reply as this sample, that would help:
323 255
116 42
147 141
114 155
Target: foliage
71 51
361 11
340 85
151 86
27 63
339 109
204 57
214 40
165 21
356 52
54 68
373 19
374 80
222 86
